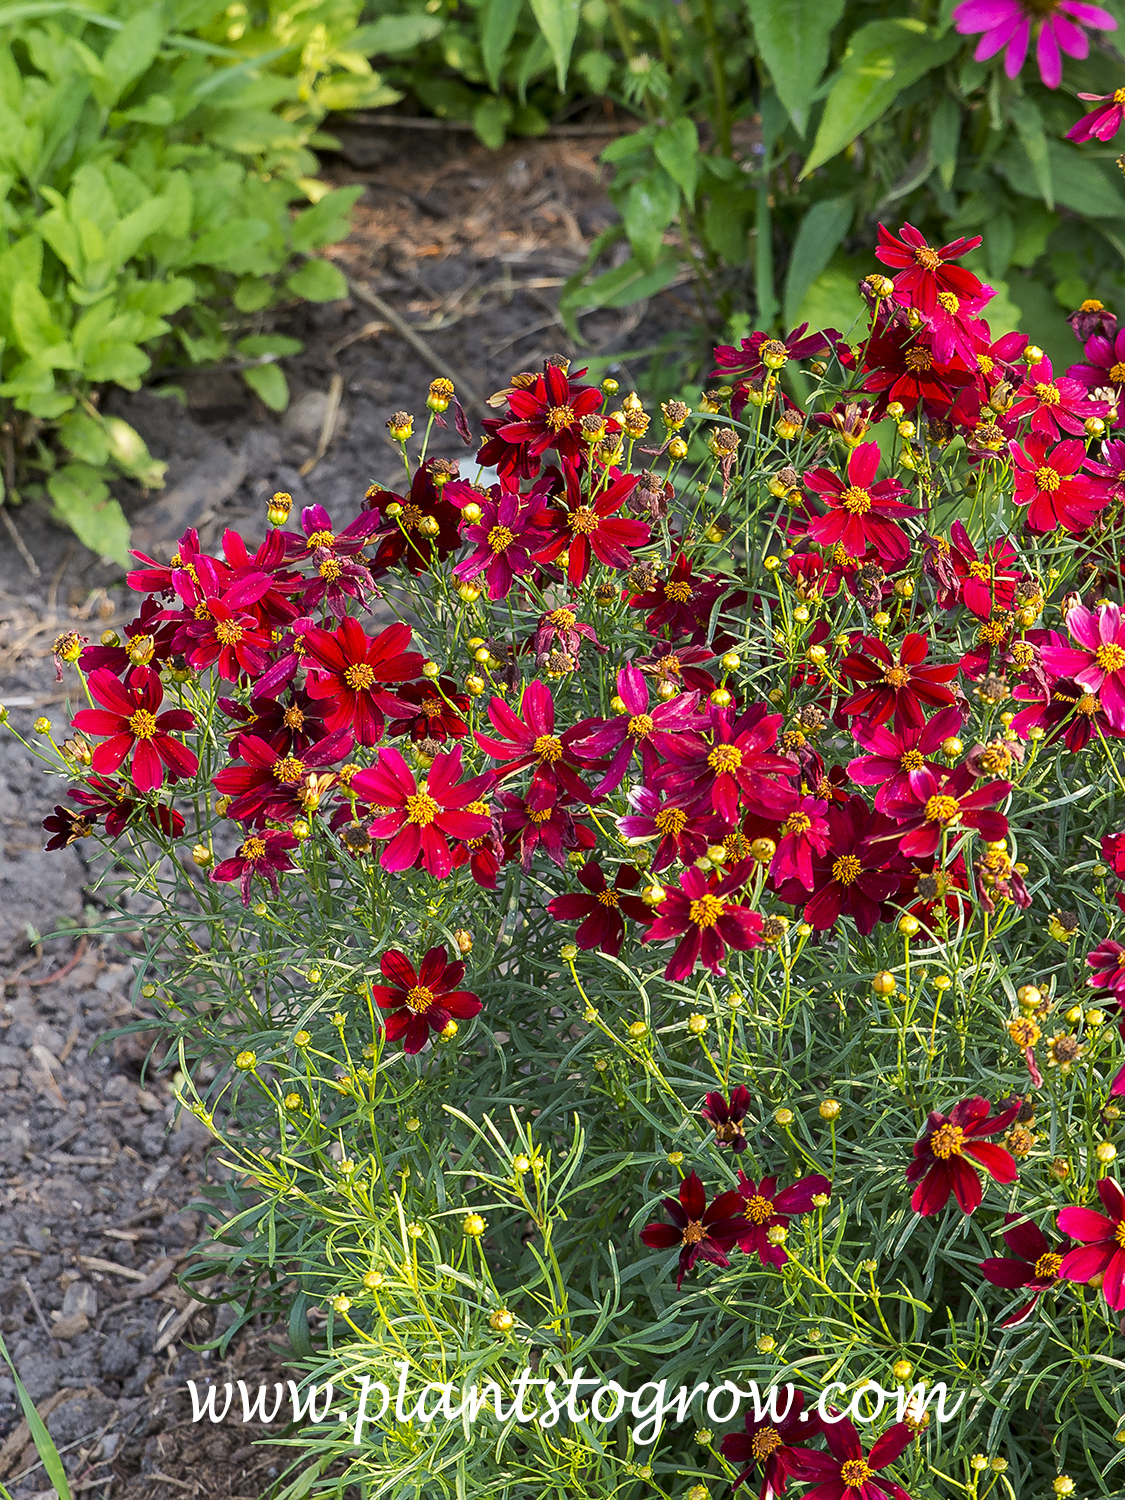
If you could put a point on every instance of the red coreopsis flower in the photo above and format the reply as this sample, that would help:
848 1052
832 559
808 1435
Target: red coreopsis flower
600 909
1065 710
861 513
706 922
680 603
1033 1265
655 730
226 638
1054 406
1050 483
320 536
727 1115
416 529
765 1209
681 835
113 802
898 368
987 582
66 825
149 639
561 630
846 1472
1101 1248
901 686
291 656
1103 123
414 1003
552 827
532 741
855 875
801 837
432 709
584 527
932 802
350 673
1106 963
1097 661
502 542
924 273
950 1151
418 820
290 726
891 756
700 1231
760 355
548 414
264 854
159 578
274 785
731 768
1104 367
1111 469
130 716
775 1444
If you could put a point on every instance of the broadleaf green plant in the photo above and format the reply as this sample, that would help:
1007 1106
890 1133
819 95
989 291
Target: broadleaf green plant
156 168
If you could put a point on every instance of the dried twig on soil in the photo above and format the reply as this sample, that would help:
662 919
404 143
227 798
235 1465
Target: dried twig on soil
21 545
327 427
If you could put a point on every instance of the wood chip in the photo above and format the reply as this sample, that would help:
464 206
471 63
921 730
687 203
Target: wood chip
95 1263
70 1328
154 1280
177 1326
19 1439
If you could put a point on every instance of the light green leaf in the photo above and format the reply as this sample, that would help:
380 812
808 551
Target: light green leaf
85 437
253 293
257 345
127 237
491 119
558 21
327 222
945 137
394 35
156 110
497 27
882 59
793 39
624 285
318 281
227 245
822 229
83 501
649 206
130 53
676 147
356 93
36 330
1029 123
269 382
44 1443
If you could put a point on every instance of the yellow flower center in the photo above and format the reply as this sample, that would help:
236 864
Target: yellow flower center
979 570
693 1233
1119 1235
855 500
142 724
912 760
928 259
725 758
607 898
293 718
549 748
993 633
1048 394
775 348
541 817
360 677
562 619
584 520
640 726
918 361
252 849
320 539
765 1441
949 302
670 820
857 1471
1088 705
1047 480
500 538
419 998
1048 1264
846 870
421 809
798 822
678 591
985 364
706 911
202 610
946 1141
942 809
1110 658
558 417
410 516
1117 372
759 1209
227 633
896 677
289 769
330 569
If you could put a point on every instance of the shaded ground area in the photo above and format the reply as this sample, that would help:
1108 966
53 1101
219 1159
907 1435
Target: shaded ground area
470 248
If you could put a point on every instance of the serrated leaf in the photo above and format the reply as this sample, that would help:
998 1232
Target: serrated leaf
822 229
558 22
269 382
676 148
318 281
793 39
882 59
83 501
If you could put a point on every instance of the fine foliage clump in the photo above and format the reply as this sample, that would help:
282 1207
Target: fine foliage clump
642 914
150 159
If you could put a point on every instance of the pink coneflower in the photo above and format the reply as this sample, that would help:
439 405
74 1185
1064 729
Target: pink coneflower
1008 25
1103 123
